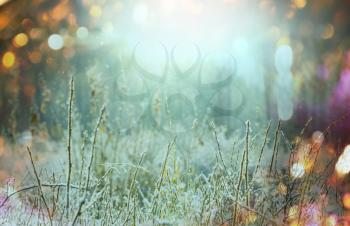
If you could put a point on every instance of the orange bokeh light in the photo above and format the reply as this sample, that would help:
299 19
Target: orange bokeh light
346 200
300 3
8 59
35 57
20 40
2 146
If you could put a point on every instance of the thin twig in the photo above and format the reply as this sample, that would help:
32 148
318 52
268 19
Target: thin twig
273 222
93 145
238 190
170 145
32 187
83 199
275 146
247 161
69 145
39 185
82 154
131 189
218 145
263 147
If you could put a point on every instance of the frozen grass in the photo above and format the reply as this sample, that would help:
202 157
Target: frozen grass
146 177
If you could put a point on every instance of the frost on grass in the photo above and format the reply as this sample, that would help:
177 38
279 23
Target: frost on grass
255 176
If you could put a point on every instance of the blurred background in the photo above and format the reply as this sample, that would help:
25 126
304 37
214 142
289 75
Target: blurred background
166 64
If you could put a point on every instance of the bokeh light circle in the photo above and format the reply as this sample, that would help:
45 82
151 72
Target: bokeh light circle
283 58
343 167
20 40
82 33
8 59
55 42
346 200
